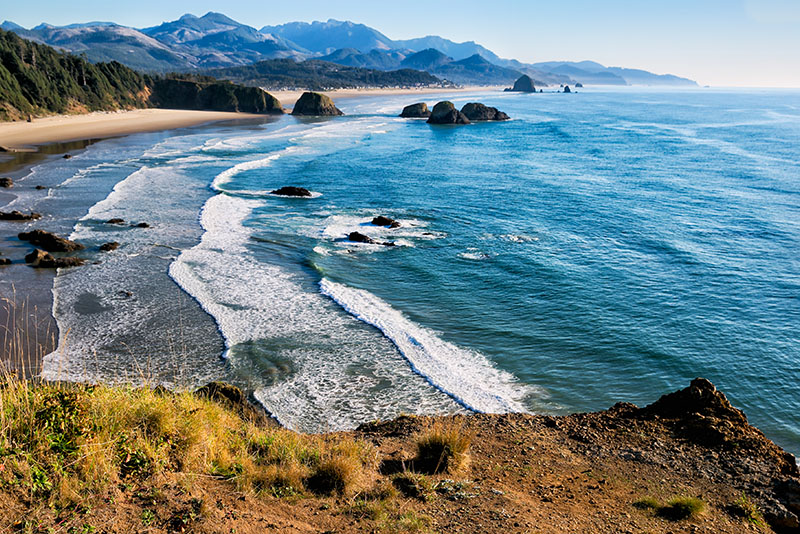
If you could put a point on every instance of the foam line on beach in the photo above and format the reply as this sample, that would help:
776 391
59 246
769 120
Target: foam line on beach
466 376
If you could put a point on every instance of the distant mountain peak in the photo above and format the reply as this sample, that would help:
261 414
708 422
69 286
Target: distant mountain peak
10 26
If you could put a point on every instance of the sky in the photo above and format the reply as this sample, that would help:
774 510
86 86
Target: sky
751 43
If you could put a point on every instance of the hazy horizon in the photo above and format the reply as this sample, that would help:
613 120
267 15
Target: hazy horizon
741 43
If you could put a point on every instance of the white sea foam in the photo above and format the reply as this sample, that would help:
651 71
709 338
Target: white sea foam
255 302
467 376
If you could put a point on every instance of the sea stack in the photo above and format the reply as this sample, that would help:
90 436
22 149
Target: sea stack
523 85
316 105
476 111
446 113
416 111
567 89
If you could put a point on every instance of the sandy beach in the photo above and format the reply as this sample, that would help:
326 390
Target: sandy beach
60 128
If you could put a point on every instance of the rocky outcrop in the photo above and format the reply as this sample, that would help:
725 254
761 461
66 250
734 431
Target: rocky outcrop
292 191
578 85
476 111
416 111
316 105
19 216
235 398
6 183
141 225
115 221
213 96
108 247
380 220
50 242
42 259
567 89
4 261
523 85
446 113
358 237
40 188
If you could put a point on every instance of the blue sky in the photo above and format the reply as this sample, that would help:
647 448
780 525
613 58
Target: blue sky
716 42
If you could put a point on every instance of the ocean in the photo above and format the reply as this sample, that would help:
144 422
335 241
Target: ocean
603 246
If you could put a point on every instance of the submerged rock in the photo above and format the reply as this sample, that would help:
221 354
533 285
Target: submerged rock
446 113
19 216
316 104
476 111
108 247
380 220
141 225
292 191
115 221
50 242
6 182
416 111
523 85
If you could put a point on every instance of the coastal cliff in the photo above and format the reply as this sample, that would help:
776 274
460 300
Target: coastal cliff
121 460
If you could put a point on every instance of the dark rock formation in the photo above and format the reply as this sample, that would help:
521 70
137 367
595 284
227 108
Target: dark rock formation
523 85
108 247
141 225
475 111
578 85
317 105
40 187
6 182
50 242
446 113
19 216
567 89
5 261
292 191
358 237
67 156
213 96
115 221
40 258
416 111
380 220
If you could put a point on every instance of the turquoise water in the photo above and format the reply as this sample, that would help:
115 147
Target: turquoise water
600 247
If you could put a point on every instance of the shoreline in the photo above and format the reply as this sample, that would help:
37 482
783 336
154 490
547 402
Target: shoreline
22 137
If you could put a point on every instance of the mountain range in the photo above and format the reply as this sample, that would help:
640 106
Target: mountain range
214 40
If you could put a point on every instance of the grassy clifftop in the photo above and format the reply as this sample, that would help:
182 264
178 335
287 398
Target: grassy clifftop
99 459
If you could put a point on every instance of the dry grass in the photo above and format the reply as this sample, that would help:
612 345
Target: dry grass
67 445
443 447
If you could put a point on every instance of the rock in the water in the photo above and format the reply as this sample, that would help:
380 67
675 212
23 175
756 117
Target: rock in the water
523 85
141 225
578 85
446 113
50 242
567 89
36 256
316 104
108 247
416 111
380 220
115 221
5 261
358 237
292 191
476 111
19 216
40 187
6 182
67 156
